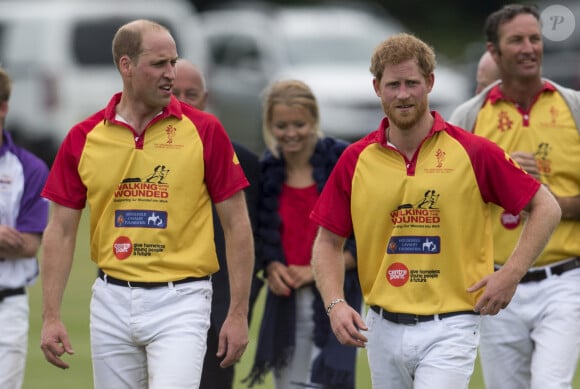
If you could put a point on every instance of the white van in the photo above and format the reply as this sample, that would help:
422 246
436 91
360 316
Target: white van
58 54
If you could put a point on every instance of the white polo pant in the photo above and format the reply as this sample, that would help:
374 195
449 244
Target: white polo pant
149 338
14 313
534 343
437 354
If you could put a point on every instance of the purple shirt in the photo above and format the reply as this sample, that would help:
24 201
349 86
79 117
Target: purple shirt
22 177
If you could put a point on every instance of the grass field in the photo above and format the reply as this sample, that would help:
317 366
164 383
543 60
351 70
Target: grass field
41 375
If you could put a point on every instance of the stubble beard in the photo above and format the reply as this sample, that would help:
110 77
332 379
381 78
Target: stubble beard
407 121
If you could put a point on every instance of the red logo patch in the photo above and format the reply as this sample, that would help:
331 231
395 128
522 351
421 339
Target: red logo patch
397 274
510 221
122 248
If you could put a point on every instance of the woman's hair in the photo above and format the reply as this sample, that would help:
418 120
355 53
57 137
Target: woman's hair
291 93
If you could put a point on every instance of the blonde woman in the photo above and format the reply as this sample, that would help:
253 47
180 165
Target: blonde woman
295 339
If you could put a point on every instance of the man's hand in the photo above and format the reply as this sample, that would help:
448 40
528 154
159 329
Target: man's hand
500 287
527 162
10 239
54 343
233 339
347 325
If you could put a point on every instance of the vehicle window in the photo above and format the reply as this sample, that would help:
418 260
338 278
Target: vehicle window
217 50
20 45
353 43
92 40
325 49
2 37
235 51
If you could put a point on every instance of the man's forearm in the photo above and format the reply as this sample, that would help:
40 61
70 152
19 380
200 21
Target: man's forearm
328 267
57 257
542 220
240 260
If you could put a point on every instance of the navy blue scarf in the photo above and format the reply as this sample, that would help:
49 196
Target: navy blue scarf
335 365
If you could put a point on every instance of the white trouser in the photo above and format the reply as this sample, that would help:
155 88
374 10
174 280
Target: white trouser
13 340
297 373
149 338
534 343
437 354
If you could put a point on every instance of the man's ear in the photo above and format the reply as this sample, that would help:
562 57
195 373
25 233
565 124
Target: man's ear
430 81
3 111
377 86
125 65
494 51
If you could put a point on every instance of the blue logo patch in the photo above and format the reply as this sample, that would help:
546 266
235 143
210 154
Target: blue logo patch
414 245
141 218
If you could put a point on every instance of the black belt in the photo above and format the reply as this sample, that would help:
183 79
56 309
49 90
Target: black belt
408 318
11 292
542 274
147 285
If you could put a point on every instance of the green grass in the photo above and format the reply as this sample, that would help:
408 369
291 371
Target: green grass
75 313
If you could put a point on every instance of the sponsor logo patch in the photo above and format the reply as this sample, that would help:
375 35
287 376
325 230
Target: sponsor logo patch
141 218
510 221
414 245
122 247
397 274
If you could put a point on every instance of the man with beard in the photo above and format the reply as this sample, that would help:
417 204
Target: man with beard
535 343
425 266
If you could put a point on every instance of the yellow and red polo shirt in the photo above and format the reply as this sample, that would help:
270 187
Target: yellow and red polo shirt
548 131
149 196
422 226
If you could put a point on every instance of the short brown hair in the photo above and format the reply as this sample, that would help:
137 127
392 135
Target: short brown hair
399 48
5 85
505 14
128 38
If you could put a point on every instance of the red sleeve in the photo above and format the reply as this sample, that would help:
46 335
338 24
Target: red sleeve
223 173
500 178
333 208
64 185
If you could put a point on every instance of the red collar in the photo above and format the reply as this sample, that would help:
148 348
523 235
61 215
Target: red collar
496 94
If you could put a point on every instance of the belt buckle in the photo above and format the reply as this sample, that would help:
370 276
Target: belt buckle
409 320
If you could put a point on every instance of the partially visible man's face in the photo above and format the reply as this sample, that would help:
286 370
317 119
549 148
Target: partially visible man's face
188 85
487 72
